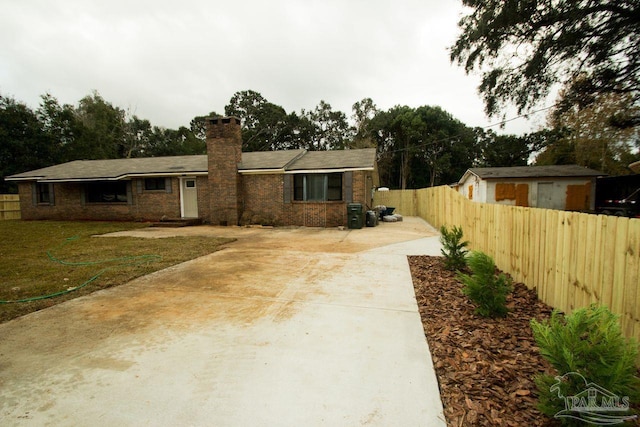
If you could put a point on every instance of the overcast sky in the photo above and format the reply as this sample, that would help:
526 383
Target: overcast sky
169 61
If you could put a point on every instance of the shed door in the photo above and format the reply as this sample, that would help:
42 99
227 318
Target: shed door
548 197
188 198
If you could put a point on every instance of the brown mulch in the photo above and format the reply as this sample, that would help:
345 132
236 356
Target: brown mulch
485 367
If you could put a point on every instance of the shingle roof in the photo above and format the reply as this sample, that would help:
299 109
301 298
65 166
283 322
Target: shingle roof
88 170
260 160
114 169
339 159
533 172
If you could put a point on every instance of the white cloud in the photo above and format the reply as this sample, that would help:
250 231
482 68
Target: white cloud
169 61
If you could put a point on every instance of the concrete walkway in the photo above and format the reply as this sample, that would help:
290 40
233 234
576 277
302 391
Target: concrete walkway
285 327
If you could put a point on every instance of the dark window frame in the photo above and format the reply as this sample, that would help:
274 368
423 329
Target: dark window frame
111 192
155 184
318 187
43 193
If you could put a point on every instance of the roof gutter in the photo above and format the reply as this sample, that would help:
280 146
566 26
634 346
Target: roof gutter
369 168
278 171
112 178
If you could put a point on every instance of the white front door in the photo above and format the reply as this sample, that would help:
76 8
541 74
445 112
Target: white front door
188 198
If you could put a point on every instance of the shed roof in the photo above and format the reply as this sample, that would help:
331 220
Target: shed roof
532 172
264 161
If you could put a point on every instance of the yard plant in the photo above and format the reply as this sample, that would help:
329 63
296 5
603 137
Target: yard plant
42 258
585 347
453 248
484 287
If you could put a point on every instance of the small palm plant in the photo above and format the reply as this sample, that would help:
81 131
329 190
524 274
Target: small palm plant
486 289
453 248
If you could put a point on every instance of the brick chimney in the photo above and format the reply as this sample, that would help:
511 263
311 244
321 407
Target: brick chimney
224 150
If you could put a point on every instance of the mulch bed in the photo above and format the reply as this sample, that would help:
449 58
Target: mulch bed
485 367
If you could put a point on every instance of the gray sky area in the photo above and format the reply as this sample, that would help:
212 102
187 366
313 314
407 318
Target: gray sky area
169 61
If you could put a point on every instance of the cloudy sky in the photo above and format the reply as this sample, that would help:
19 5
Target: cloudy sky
169 61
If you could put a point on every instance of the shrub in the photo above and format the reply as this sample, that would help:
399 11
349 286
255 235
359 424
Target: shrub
590 343
453 248
486 289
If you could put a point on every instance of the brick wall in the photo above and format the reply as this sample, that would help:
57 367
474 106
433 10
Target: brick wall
144 206
224 150
263 197
314 214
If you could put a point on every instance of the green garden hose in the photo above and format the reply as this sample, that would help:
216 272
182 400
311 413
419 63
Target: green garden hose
119 262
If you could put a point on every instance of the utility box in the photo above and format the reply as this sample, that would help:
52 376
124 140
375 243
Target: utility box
355 218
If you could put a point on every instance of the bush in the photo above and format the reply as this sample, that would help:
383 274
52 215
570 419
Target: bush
590 343
486 289
453 248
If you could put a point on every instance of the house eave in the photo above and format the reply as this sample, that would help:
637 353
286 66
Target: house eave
336 170
261 171
465 176
109 178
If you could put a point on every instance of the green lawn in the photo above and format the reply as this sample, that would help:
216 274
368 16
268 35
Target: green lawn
42 258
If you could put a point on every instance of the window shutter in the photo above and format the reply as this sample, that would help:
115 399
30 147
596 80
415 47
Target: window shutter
139 185
286 196
52 199
129 193
34 193
348 187
167 185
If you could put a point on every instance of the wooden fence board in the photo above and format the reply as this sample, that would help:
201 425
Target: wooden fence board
591 253
571 259
9 206
631 308
619 264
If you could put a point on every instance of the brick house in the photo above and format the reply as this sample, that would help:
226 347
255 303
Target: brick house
224 187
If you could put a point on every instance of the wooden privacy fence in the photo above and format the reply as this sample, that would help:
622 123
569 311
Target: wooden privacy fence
571 259
9 206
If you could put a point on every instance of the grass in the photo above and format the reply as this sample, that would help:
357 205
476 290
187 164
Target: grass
27 271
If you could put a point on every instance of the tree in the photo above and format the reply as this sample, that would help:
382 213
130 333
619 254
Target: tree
421 147
330 130
524 47
263 123
23 143
102 134
590 139
502 150
60 124
363 113
447 146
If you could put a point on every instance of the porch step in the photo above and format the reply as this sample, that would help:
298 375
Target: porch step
177 222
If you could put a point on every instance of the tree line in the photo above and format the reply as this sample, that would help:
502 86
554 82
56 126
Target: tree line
590 48
416 147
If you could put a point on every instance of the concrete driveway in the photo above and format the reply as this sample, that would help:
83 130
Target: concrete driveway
284 327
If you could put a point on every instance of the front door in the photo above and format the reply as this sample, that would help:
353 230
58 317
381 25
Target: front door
188 198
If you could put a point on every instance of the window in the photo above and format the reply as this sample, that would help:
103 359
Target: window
151 184
44 193
318 187
107 192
